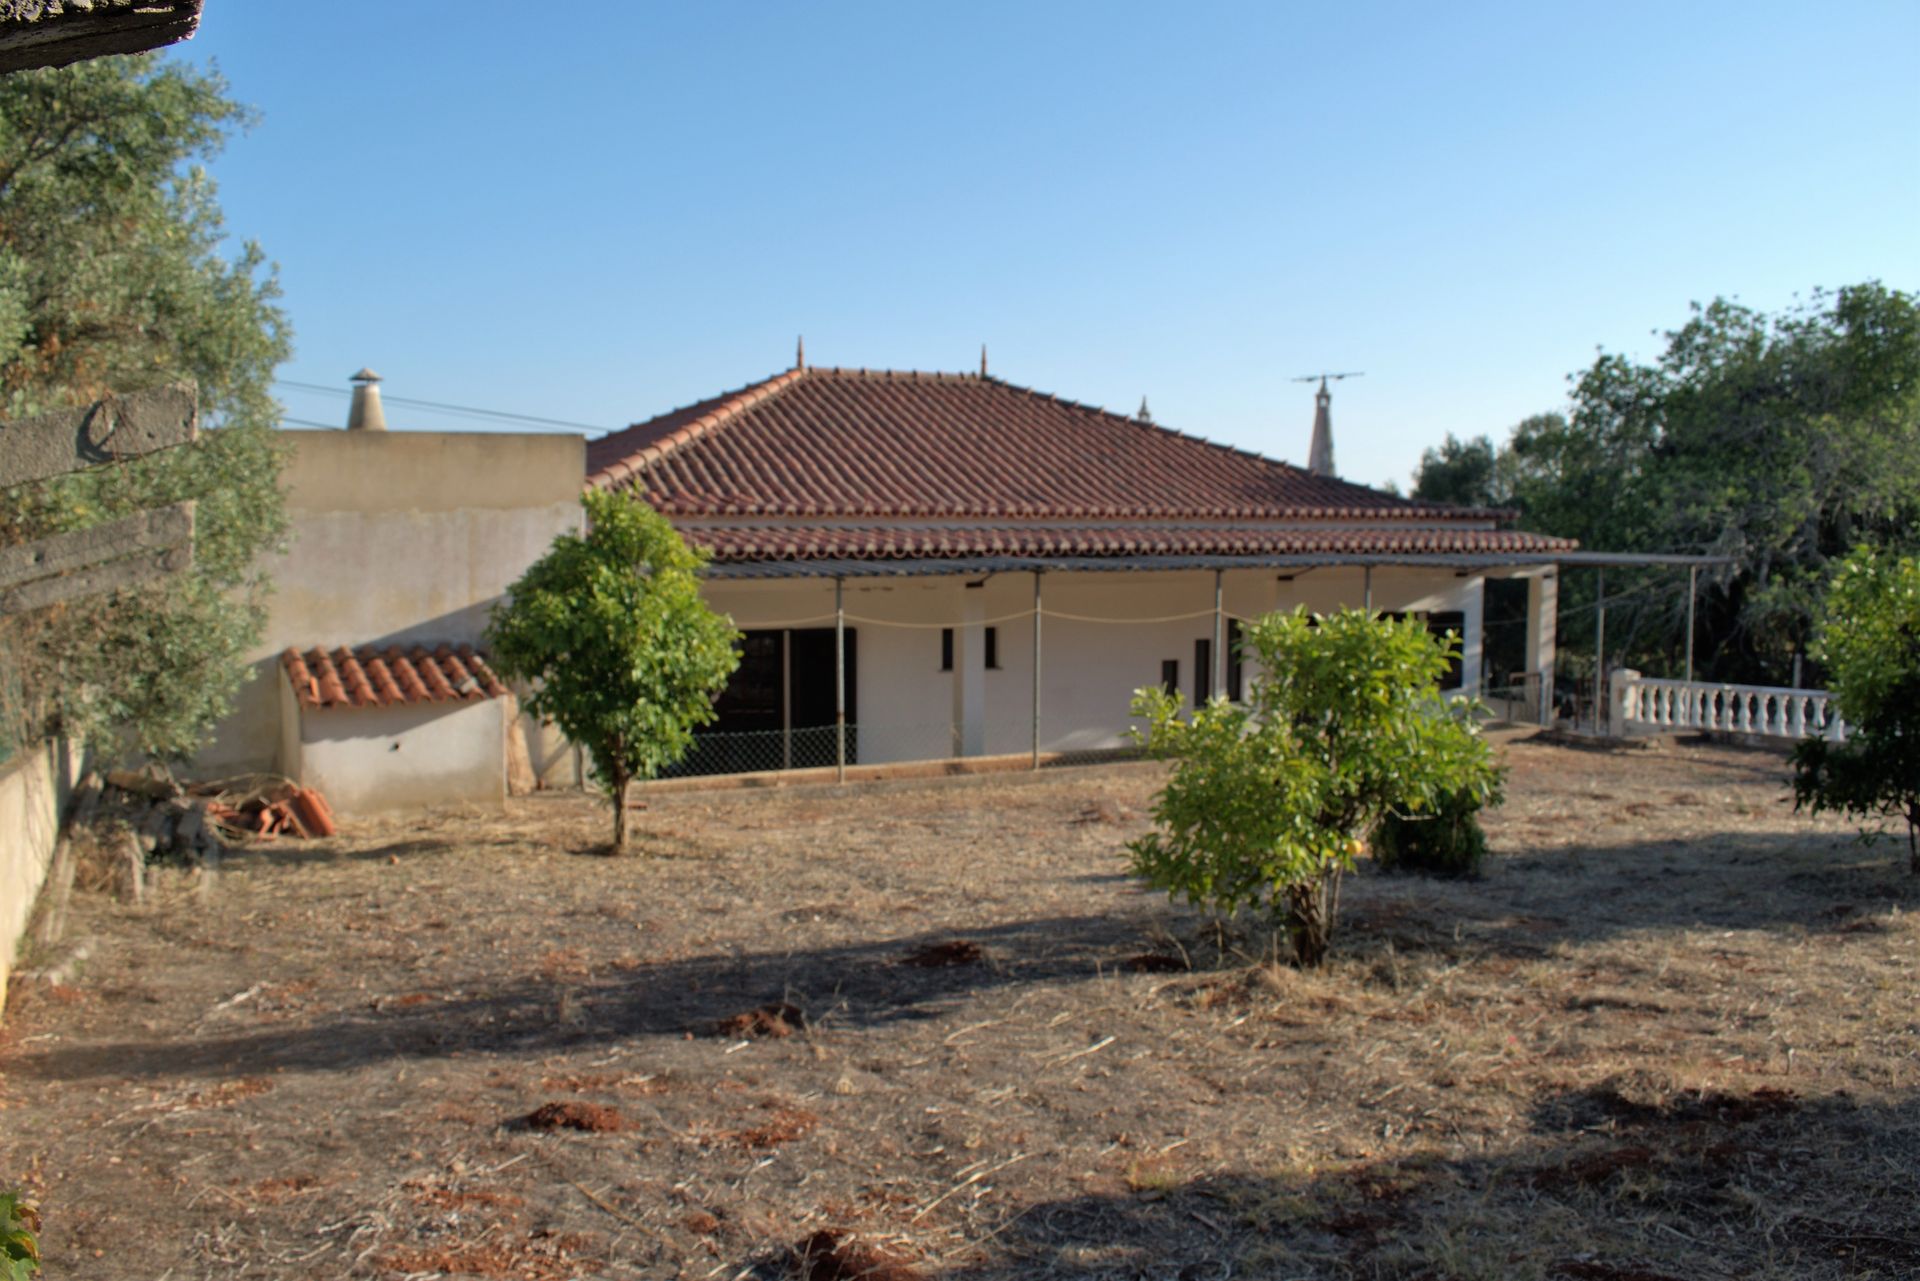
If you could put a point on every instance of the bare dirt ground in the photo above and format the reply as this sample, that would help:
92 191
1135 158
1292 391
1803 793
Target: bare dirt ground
1673 1033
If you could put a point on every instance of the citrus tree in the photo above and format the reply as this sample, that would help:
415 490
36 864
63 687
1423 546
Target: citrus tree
610 633
1870 643
1269 800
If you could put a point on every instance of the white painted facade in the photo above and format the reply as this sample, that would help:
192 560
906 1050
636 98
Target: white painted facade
908 708
366 760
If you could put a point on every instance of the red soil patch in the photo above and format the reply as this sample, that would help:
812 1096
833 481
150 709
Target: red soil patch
938 956
835 1256
591 1117
784 1126
777 1020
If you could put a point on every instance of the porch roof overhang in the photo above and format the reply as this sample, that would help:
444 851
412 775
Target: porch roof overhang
971 566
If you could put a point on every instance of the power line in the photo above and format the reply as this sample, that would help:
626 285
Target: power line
471 410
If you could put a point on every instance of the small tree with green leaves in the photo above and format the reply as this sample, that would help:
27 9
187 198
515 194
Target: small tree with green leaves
1870 643
609 631
1269 800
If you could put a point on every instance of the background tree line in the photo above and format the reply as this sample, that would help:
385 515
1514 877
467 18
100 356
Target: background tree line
1781 441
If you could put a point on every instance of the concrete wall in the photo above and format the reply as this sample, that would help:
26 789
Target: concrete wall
34 789
909 709
368 760
398 536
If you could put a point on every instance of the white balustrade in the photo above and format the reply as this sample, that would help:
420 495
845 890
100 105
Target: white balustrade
1644 702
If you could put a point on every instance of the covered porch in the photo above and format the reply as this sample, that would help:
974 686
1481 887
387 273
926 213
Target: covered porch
869 662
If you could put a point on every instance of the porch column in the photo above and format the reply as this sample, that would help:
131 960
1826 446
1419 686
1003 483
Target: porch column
840 678
1473 636
1036 669
1543 617
1217 678
970 672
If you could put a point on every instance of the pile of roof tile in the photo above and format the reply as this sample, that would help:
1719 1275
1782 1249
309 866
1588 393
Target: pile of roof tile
282 809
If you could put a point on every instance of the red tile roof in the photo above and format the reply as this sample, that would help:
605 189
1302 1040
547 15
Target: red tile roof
863 443
370 677
895 542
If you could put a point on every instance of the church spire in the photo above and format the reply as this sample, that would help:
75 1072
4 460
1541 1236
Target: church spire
1320 453
800 352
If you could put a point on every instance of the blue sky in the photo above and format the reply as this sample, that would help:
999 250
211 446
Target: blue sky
641 205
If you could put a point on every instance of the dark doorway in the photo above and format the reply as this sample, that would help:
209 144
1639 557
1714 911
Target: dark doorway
777 709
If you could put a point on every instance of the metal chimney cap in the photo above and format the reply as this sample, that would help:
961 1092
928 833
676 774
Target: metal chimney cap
364 376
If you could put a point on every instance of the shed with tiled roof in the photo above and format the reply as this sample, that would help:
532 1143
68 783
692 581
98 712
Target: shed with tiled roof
380 727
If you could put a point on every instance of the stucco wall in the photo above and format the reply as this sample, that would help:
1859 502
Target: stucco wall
34 789
908 707
366 760
398 536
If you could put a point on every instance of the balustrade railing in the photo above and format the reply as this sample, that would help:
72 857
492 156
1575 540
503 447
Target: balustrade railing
1649 703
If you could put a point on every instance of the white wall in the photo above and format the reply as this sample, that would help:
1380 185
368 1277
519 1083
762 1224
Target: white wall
368 759
34 789
907 706
397 536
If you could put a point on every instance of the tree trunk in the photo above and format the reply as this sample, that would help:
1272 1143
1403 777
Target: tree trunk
1310 913
619 812
1913 839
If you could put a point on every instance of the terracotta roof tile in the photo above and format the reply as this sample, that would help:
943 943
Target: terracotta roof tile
894 542
369 677
877 444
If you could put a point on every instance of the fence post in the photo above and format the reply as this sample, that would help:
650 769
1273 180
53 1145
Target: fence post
1622 683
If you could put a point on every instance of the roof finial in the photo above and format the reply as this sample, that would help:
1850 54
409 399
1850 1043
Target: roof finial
800 352
1145 415
983 360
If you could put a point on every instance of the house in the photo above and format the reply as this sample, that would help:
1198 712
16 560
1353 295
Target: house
999 569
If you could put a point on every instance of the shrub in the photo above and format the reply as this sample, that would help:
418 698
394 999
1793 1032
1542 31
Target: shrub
1445 842
19 1252
1870 642
1268 799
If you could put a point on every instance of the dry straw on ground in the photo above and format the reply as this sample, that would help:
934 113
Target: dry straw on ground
1670 1034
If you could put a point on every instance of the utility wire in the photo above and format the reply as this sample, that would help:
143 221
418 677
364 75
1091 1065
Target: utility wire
472 410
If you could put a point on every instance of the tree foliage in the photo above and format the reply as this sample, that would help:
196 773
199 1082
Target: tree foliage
1779 441
1269 800
609 630
1870 643
19 1251
1458 471
113 278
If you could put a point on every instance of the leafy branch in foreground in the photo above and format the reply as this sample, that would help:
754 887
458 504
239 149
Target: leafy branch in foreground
1870 642
1269 801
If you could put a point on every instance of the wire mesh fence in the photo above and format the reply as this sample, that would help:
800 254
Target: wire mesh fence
819 747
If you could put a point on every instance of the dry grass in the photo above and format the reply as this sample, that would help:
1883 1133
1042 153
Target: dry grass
1671 1034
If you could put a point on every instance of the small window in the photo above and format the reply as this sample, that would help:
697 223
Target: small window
1202 671
993 648
1235 644
946 649
1170 676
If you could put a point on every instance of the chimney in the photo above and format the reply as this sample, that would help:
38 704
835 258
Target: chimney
365 413
1320 453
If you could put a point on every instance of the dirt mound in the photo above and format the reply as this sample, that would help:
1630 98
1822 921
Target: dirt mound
776 1020
828 1255
940 956
594 1118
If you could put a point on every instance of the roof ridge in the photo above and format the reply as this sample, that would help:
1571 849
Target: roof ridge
730 405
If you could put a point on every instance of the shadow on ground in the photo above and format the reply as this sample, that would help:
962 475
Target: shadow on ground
1757 1185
